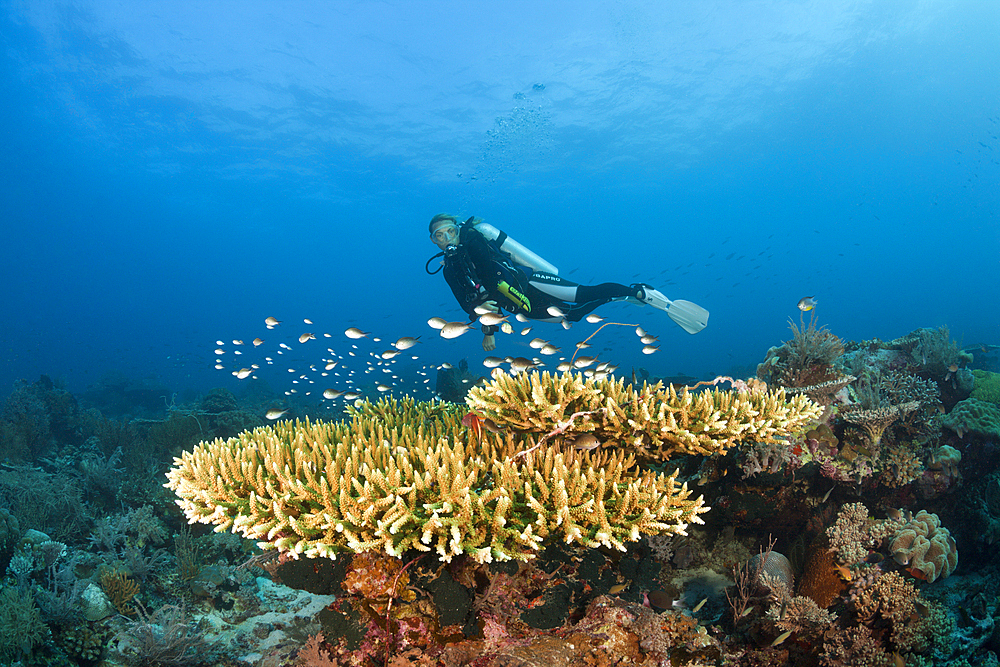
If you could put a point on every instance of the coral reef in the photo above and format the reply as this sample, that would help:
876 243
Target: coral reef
987 387
874 422
926 547
823 577
974 416
806 362
21 626
654 423
25 423
422 481
541 522
855 534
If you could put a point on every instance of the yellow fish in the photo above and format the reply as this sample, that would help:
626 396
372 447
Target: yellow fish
781 638
807 303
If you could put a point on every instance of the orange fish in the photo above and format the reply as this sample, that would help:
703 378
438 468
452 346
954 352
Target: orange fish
475 424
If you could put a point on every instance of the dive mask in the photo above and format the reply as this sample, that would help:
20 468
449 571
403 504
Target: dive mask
446 234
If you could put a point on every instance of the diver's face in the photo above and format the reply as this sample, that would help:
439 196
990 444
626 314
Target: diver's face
445 234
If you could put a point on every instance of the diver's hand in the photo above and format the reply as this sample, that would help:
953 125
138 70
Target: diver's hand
492 305
489 343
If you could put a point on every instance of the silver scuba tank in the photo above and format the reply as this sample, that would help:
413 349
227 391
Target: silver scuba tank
517 252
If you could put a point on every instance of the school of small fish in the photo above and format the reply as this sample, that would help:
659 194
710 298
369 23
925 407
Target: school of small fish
328 367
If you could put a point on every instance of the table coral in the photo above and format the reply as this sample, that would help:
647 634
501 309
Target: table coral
653 422
874 422
926 547
408 474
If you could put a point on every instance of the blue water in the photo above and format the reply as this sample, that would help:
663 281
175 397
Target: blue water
174 173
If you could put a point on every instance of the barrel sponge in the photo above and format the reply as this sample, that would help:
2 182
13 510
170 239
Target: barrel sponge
926 547
987 387
974 416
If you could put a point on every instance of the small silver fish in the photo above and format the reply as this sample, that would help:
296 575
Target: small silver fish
594 319
306 337
382 387
807 303
275 413
525 330
331 393
243 373
583 362
650 349
406 342
537 343
389 354
492 319
555 311
355 333
564 366
352 395
506 328
492 362
437 322
698 606
257 342
521 364
271 322
454 329
549 348
586 442
307 321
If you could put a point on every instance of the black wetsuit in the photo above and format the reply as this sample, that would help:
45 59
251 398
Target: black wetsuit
477 271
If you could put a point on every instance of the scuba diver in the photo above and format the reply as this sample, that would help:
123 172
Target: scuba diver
486 269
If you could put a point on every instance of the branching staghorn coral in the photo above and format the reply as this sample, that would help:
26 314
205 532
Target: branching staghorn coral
407 474
653 422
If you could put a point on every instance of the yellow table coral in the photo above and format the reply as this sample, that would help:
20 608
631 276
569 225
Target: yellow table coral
653 422
402 475
405 474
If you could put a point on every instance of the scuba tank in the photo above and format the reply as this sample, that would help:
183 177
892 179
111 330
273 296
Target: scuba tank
517 252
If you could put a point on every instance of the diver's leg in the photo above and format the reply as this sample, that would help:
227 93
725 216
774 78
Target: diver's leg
590 297
553 285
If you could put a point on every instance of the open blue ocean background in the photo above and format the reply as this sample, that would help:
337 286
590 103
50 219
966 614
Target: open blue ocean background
174 173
